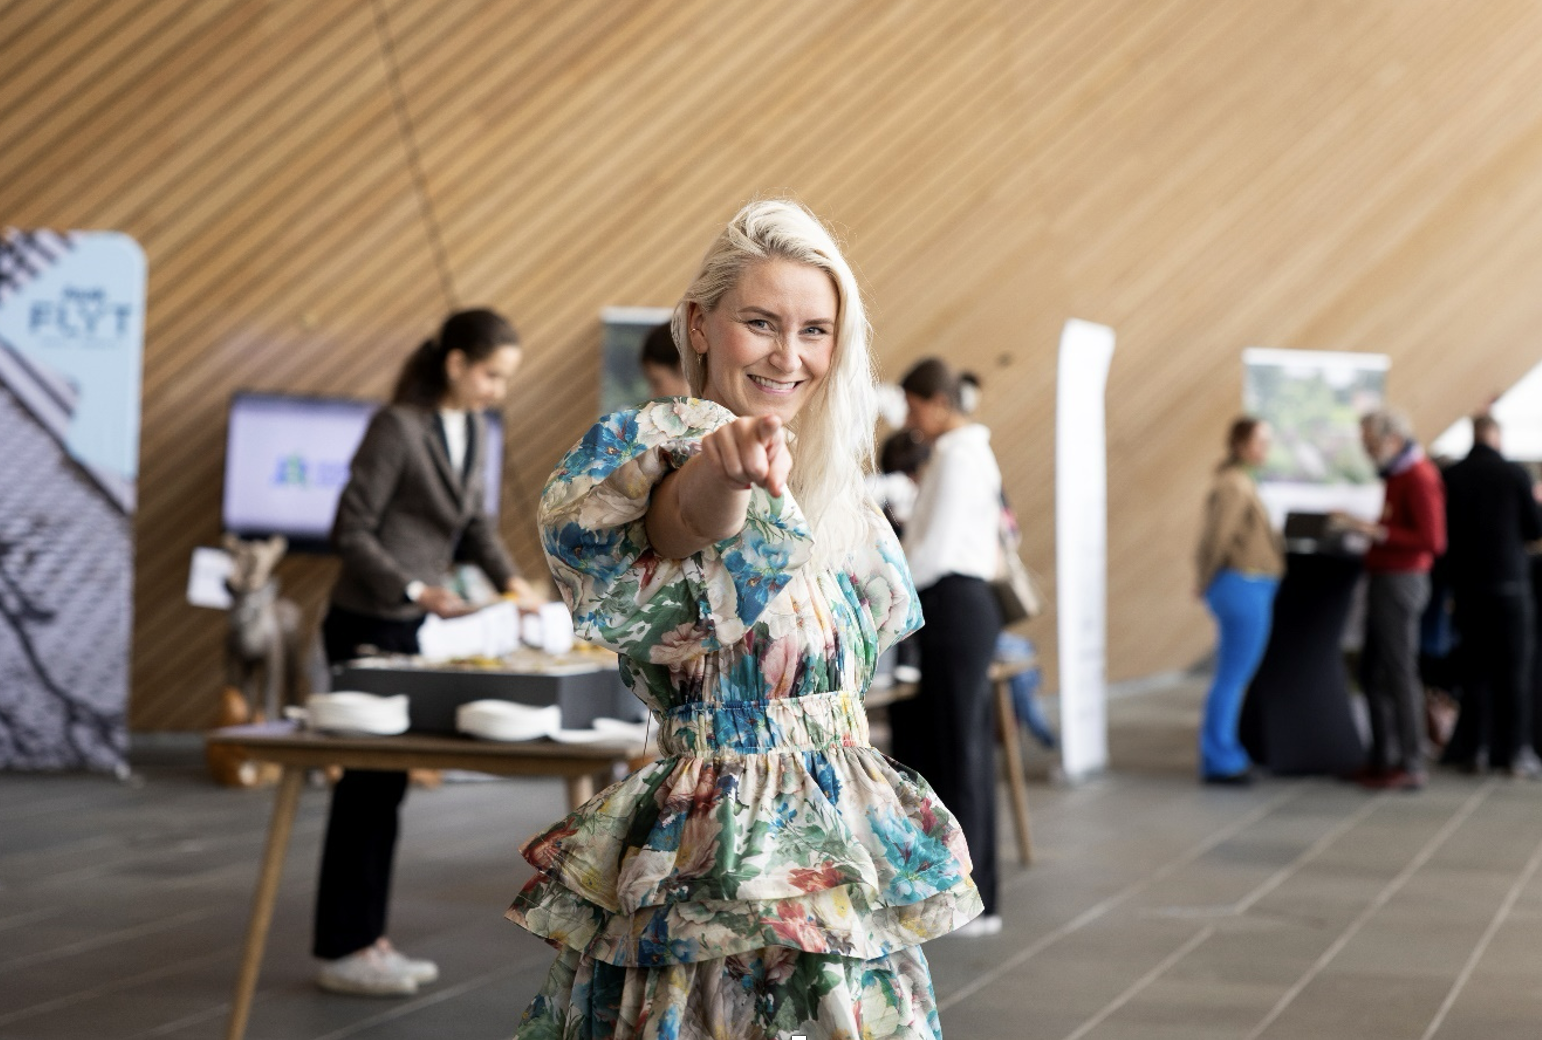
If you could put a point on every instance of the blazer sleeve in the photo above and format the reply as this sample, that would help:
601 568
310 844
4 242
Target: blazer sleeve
482 545
1224 512
374 476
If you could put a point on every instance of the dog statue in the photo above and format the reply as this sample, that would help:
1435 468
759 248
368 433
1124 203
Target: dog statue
262 649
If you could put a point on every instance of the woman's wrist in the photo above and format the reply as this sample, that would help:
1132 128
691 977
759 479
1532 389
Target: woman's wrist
711 505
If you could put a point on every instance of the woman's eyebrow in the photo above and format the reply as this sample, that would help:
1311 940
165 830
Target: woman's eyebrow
756 309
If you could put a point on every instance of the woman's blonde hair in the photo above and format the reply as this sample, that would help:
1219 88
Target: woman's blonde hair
833 443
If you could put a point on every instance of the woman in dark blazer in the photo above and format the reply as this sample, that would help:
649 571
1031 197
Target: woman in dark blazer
413 504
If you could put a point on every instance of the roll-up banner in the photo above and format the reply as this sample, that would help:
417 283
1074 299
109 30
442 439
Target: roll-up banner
72 318
1081 545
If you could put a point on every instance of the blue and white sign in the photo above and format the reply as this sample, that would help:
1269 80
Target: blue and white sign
72 319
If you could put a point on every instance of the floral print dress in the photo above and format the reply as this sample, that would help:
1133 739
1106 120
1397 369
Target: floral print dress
771 874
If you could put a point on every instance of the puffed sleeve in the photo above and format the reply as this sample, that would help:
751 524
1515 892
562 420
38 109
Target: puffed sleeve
887 589
621 593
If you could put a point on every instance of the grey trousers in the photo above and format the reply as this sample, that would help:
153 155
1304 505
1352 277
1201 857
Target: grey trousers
1389 668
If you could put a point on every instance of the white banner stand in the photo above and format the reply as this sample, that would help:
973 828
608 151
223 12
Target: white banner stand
1081 545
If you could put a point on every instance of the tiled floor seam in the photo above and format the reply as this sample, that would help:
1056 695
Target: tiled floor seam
1387 892
1500 915
1101 908
1140 984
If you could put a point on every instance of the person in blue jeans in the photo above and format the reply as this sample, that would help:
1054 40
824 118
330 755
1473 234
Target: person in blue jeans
1240 560
1025 688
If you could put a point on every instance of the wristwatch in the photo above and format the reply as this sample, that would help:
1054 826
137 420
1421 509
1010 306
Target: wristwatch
414 590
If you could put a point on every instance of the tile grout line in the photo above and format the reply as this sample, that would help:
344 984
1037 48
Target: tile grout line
1388 891
1317 848
178 1024
42 913
1141 983
1500 916
116 985
96 942
1097 910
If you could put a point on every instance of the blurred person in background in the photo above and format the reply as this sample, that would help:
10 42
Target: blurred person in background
1240 560
1491 515
414 500
1405 540
660 363
952 541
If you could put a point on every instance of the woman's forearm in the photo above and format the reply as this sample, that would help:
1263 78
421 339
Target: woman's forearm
694 507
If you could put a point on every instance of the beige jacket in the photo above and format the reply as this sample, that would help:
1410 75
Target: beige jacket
406 515
1237 534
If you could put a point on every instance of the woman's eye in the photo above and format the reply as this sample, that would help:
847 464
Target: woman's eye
816 330
758 323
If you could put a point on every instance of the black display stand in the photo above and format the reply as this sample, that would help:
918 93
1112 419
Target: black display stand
1296 719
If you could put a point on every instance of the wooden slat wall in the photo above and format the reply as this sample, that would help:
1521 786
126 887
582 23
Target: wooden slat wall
1201 175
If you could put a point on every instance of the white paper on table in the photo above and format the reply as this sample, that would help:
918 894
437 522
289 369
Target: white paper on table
206 578
490 632
556 628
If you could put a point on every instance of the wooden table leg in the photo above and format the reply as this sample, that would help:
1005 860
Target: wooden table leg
580 789
1017 785
284 804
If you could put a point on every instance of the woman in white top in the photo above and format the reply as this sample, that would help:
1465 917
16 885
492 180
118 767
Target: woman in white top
952 543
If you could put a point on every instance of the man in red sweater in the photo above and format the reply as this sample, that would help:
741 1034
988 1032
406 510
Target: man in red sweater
1404 544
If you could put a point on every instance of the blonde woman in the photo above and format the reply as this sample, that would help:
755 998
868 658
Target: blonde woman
771 874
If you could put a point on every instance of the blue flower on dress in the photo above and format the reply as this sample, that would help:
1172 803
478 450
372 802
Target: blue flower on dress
592 553
824 775
655 947
759 570
922 864
609 442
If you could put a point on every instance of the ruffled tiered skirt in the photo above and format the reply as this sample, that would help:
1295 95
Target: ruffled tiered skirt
772 874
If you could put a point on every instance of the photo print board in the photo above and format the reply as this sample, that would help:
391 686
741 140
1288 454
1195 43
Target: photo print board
1313 401
621 377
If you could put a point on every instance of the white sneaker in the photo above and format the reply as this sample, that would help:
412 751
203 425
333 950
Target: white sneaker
985 924
367 973
420 971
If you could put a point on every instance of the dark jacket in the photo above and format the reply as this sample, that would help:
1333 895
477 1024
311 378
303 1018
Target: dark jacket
405 511
1490 516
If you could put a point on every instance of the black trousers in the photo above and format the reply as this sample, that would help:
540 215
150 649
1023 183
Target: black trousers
1495 671
946 732
360 847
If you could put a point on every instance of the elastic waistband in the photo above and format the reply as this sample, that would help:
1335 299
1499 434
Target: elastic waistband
786 724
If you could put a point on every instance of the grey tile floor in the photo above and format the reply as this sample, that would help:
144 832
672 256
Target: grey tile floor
1157 909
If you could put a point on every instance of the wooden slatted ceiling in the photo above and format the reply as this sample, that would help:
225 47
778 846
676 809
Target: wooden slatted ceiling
1201 175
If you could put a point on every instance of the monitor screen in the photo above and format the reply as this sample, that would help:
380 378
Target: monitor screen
286 463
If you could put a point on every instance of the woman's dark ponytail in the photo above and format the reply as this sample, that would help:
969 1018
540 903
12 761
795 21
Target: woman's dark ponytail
475 333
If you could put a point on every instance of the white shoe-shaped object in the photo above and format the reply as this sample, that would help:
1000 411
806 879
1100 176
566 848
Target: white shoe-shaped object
985 924
371 972
420 971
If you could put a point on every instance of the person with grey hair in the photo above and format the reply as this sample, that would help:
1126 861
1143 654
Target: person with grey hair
770 874
1405 540
1491 514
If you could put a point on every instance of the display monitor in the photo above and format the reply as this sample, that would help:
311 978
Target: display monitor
286 463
